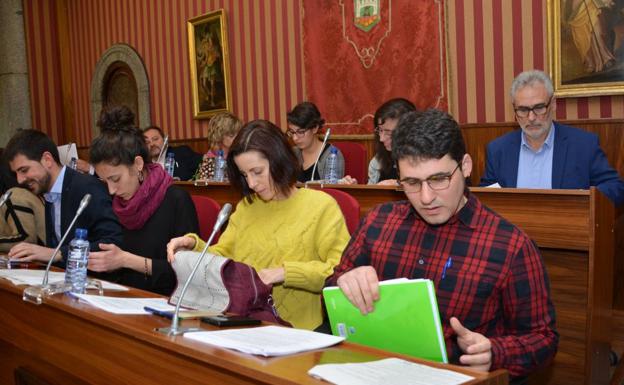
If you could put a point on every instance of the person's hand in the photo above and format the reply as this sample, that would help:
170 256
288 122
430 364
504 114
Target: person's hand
177 244
27 252
272 276
388 182
361 287
476 346
110 258
83 166
348 179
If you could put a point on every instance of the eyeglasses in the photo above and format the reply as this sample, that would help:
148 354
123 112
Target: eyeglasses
382 131
299 132
435 182
538 109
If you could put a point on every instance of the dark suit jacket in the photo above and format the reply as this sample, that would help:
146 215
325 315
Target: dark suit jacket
98 217
578 163
187 162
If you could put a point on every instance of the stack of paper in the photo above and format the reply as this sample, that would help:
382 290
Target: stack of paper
267 341
125 305
35 277
388 371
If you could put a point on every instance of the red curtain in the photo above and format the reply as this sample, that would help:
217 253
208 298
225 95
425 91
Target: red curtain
350 72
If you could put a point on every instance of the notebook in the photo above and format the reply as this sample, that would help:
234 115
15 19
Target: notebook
405 320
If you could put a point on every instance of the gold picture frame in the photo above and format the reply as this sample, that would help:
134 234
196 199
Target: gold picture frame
586 47
210 64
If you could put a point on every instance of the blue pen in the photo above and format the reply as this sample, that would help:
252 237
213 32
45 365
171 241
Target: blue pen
447 265
162 313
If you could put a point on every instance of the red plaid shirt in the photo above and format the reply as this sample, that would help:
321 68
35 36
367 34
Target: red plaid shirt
495 282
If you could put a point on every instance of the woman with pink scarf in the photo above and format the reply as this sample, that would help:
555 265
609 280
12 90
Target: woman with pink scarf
150 208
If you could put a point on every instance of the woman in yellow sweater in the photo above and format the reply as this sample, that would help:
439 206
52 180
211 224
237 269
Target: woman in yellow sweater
292 237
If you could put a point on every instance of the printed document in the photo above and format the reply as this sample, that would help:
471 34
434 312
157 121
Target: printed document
387 371
35 277
266 341
125 305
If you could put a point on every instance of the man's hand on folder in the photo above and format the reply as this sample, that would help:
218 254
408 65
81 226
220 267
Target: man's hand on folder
361 287
476 346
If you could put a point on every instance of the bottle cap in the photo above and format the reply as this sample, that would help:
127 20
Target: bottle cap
81 233
333 150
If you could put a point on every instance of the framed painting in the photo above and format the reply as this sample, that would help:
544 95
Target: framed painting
209 61
586 46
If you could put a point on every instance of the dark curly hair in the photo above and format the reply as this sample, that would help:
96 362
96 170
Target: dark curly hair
267 139
431 134
116 117
392 109
305 115
119 141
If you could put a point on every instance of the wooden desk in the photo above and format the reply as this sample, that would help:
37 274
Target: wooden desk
574 231
65 342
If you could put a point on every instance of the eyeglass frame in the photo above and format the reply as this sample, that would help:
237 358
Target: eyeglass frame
300 132
528 110
379 131
446 177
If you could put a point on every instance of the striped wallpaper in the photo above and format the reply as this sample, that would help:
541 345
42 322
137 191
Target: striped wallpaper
489 43
265 57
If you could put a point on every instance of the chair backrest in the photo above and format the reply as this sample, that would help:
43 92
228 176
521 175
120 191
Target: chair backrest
349 206
355 160
207 212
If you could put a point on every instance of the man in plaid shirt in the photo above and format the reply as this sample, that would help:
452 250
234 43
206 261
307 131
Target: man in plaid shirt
492 288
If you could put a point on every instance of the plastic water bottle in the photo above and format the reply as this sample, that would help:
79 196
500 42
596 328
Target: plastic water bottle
76 269
219 172
72 163
331 167
170 163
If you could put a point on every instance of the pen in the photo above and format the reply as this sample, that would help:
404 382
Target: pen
162 313
447 265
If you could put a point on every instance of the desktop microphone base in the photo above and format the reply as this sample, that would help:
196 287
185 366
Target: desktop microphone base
36 294
178 331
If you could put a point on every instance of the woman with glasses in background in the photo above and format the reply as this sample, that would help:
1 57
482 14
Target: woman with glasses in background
382 169
304 123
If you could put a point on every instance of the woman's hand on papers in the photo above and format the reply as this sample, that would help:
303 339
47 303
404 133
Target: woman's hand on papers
110 258
476 346
27 252
177 244
361 286
272 276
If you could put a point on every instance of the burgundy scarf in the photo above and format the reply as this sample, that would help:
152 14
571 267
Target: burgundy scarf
135 212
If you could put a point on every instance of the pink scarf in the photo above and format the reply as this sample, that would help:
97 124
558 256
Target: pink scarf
135 212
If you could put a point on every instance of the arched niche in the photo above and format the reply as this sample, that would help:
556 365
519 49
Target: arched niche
120 65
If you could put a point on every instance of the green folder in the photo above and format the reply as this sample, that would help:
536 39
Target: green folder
405 320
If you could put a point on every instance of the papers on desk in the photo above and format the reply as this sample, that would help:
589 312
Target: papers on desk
35 277
266 341
494 185
125 305
67 152
387 371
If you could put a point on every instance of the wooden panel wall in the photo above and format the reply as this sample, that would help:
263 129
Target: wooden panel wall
489 43
265 58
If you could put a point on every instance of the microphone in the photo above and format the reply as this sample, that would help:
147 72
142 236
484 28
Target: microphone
35 293
327 133
174 330
5 197
160 158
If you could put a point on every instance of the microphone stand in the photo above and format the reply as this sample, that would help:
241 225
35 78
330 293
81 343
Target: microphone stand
174 329
163 150
318 157
36 293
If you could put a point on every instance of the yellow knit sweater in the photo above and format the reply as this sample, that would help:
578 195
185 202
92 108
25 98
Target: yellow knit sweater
305 234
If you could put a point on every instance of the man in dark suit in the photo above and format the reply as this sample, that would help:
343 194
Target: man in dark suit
34 157
547 154
186 160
